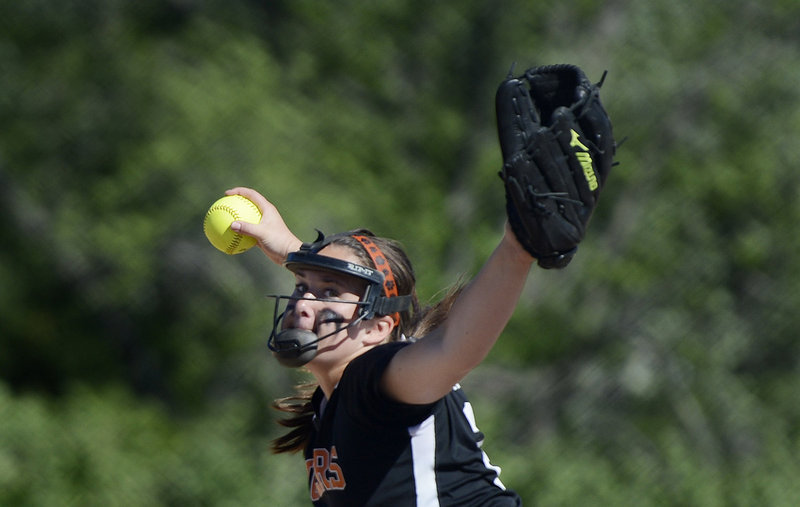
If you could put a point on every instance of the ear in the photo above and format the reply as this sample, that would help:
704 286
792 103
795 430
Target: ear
378 330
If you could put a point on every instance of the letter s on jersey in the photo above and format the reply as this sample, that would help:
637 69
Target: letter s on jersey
324 473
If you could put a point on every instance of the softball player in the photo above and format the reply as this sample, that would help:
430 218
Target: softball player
387 422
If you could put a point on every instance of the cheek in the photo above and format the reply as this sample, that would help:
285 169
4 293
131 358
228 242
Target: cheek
327 315
349 311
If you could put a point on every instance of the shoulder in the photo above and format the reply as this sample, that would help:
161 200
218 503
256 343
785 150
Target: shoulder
366 370
362 396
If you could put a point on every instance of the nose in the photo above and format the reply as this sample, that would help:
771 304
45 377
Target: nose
302 314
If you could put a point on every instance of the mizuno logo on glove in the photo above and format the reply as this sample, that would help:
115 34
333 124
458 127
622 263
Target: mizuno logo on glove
585 160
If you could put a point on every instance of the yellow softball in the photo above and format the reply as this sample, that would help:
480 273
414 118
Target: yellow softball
217 224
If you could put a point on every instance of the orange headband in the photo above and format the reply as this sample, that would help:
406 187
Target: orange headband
389 285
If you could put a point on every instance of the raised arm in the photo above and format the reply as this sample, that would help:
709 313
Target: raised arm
558 148
426 370
273 236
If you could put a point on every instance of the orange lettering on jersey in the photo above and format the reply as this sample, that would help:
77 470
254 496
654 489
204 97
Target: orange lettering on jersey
324 473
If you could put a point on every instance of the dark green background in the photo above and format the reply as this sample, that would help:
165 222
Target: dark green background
661 368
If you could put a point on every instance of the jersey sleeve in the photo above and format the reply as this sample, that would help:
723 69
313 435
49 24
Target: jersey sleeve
362 396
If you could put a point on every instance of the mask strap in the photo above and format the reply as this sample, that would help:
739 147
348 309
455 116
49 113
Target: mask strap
389 285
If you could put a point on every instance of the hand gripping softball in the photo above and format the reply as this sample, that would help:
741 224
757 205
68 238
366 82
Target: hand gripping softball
558 148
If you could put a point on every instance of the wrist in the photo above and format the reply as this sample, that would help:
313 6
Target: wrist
515 248
278 252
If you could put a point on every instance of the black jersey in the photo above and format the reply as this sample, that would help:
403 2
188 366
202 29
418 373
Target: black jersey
367 449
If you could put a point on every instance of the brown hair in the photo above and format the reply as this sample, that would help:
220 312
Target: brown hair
415 322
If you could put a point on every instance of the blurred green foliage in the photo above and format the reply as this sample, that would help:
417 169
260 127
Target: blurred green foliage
661 368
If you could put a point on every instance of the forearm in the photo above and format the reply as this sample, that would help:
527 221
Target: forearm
427 370
484 307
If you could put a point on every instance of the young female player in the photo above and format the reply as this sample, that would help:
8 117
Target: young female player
386 422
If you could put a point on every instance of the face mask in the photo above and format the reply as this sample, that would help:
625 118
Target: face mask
295 347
